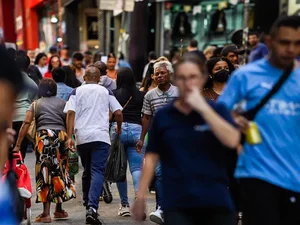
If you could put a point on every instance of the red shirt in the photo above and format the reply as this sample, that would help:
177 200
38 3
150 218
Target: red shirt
48 75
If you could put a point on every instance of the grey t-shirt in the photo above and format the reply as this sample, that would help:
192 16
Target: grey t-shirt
49 114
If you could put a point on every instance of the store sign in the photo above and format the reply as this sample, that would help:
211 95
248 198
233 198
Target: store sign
117 5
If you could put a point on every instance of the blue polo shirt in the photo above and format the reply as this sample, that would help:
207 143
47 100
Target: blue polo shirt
277 159
259 52
194 163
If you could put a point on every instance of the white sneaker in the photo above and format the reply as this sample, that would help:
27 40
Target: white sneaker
124 211
157 216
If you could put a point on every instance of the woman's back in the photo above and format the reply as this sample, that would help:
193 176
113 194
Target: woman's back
49 114
132 112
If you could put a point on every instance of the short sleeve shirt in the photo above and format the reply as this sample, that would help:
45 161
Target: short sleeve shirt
194 162
156 99
91 104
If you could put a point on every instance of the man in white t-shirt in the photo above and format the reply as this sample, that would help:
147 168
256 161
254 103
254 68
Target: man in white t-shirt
88 115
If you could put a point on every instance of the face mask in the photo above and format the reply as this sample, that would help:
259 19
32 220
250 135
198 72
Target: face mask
221 76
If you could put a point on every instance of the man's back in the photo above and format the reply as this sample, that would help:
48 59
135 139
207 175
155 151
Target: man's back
91 105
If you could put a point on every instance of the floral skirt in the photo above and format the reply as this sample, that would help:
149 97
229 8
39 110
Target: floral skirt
53 183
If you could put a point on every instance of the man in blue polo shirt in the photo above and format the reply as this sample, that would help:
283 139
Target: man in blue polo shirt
269 172
258 50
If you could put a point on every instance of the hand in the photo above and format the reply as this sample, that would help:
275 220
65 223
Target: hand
138 210
139 146
196 100
70 144
242 122
10 136
118 131
16 148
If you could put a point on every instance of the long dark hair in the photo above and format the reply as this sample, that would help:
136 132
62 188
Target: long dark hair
38 58
125 79
210 64
147 81
50 67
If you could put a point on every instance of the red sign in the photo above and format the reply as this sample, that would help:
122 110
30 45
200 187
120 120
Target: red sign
34 3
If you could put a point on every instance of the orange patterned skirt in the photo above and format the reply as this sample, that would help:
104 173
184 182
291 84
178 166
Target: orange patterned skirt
53 183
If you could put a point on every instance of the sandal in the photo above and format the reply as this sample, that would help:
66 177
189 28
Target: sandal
61 215
42 219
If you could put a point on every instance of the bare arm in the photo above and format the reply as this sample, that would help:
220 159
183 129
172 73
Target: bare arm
24 128
139 206
146 120
119 119
70 123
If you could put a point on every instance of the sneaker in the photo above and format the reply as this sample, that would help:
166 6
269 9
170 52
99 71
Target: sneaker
124 211
157 216
92 217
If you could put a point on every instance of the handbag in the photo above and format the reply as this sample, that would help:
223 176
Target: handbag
116 167
31 133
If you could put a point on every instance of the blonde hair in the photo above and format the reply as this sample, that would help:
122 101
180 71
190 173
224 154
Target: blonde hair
166 64
209 49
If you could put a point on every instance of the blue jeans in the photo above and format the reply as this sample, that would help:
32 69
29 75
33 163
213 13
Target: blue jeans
158 185
93 158
129 137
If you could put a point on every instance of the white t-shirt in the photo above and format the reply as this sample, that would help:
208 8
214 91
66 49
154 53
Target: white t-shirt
91 104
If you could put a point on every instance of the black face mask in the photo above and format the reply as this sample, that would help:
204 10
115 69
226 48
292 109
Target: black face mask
221 76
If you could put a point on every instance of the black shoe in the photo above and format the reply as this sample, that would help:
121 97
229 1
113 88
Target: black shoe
107 195
92 217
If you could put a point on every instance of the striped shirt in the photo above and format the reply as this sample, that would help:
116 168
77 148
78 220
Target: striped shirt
156 99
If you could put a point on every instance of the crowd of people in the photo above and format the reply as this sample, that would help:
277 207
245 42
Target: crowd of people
187 129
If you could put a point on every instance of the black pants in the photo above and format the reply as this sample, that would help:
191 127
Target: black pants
266 204
17 126
201 216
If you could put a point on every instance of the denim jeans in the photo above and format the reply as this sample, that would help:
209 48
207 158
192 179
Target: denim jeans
93 158
129 137
158 186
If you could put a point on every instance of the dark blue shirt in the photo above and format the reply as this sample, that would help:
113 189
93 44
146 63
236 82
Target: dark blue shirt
194 163
259 52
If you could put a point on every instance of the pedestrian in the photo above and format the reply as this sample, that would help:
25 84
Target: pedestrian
111 64
63 91
77 60
258 50
71 79
53 64
209 51
122 61
231 52
24 100
97 56
151 58
131 99
64 56
88 115
31 55
41 63
88 59
11 83
219 70
149 81
52 51
153 100
193 152
268 171
53 184
193 48
105 81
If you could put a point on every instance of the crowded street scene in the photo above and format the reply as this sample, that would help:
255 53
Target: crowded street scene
118 112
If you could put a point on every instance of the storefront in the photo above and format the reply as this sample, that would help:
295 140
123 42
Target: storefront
211 22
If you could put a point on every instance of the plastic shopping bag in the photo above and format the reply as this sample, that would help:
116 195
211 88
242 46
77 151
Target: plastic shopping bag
117 162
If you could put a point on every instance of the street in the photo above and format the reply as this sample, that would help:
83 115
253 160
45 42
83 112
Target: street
108 212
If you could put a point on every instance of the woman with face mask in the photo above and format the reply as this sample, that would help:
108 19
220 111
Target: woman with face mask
219 70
